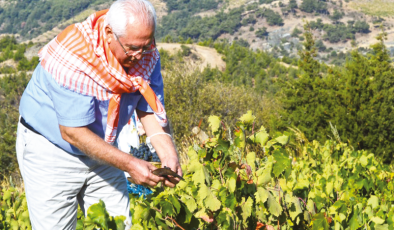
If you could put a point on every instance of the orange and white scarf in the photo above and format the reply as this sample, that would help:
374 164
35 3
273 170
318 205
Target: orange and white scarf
80 59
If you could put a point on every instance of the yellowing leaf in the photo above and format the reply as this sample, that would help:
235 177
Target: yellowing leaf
373 201
261 195
251 159
273 206
260 137
377 220
248 118
282 139
211 202
246 209
199 177
202 192
295 208
364 160
214 123
190 202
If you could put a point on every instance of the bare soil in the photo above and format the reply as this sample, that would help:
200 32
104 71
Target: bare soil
207 56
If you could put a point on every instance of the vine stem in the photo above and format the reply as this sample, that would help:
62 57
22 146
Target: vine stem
168 217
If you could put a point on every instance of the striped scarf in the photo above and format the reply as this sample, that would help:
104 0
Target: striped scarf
80 59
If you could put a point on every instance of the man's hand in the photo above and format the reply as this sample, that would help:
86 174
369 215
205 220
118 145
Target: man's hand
163 145
141 173
95 147
173 164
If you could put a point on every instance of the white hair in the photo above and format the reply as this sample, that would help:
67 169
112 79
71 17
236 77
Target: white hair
125 12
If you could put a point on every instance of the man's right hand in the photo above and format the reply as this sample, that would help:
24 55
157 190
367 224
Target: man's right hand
141 173
95 147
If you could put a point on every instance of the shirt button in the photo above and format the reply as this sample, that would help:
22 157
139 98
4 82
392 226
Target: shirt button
25 130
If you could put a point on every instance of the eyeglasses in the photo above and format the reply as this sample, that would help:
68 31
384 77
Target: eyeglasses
131 53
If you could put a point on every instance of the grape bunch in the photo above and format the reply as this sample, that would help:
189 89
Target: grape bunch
143 152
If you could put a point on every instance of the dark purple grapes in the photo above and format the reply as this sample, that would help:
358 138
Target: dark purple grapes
143 152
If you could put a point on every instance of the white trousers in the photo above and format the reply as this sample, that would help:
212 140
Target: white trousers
56 182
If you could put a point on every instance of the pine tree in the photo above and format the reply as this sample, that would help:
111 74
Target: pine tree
305 98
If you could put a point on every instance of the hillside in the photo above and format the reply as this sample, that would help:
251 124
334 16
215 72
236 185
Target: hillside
273 26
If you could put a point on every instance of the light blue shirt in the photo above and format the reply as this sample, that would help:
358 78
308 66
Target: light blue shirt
45 104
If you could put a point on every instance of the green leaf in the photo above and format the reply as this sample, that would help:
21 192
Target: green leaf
202 193
295 208
353 222
189 202
246 208
364 160
251 159
239 139
373 201
264 175
175 203
119 221
211 202
137 226
282 139
377 220
273 206
382 227
282 162
319 222
167 208
199 177
232 182
248 118
7 195
261 195
214 123
79 225
99 215
140 213
228 200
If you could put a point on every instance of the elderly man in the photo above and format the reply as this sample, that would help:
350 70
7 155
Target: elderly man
90 79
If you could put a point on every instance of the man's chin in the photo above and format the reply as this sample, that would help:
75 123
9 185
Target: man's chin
128 64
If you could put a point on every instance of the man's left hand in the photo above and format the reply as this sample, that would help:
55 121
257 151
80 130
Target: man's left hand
173 164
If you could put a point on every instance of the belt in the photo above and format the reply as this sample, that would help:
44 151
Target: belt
23 122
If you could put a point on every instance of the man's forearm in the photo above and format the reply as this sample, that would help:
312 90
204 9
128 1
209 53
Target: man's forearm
95 147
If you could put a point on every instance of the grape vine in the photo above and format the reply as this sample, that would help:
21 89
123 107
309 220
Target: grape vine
247 179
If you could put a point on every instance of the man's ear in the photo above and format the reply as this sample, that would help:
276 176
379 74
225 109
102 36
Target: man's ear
108 33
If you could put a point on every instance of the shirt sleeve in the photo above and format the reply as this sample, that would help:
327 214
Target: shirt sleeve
72 109
156 83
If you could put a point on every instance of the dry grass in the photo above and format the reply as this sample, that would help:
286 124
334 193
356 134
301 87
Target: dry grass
14 180
382 8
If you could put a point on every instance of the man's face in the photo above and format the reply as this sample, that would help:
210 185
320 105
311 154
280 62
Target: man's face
138 38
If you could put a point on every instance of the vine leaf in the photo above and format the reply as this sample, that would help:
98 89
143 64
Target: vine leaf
199 176
251 159
373 201
203 215
232 180
377 220
273 206
246 208
261 195
211 202
282 139
353 222
99 215
248 118
282 162
189 202
214 123
319 222
295 208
